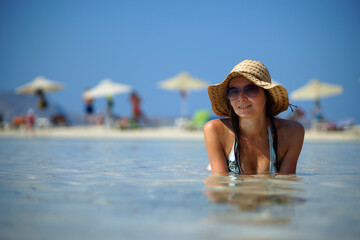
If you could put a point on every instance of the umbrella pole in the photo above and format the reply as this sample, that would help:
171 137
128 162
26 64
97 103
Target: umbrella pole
183 104
184 108
109 106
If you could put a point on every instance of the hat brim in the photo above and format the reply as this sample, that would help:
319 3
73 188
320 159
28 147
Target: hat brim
217 94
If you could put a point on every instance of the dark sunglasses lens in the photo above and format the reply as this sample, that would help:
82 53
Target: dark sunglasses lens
251 90
232 93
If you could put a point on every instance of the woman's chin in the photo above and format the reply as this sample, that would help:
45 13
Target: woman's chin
245 114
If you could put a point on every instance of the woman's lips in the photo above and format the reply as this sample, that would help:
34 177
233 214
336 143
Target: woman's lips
244 106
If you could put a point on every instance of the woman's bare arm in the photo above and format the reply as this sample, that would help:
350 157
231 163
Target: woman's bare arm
293 135
213 133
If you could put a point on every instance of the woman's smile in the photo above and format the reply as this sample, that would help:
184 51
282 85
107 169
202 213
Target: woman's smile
244 106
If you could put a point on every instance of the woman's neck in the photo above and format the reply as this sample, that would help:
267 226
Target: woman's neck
253 128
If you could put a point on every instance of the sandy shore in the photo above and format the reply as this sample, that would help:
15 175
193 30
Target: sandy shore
107 133
100 132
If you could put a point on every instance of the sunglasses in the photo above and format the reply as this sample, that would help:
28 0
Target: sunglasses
250 90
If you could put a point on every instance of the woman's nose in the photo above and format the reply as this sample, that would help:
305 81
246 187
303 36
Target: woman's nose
242 95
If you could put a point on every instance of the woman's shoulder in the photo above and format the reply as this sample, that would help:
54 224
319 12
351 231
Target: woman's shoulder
289 128
288 124
218 125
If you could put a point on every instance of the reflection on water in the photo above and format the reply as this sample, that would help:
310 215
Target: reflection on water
255 194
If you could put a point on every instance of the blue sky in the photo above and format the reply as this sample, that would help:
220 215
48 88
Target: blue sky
141 43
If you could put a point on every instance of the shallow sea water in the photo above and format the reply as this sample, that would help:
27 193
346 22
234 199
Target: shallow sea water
152 189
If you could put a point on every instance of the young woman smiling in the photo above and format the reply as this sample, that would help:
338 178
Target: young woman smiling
251 140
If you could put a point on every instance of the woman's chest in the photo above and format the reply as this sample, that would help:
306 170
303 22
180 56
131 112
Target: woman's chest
255 157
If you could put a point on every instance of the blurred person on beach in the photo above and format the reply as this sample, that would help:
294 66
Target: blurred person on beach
136 110
297 115
251 140
42 103
89 107
316 111
318 121
30 122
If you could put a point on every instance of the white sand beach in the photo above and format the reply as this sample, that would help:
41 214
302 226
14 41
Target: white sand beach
101 132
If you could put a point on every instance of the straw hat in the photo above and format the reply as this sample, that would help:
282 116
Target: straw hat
257 73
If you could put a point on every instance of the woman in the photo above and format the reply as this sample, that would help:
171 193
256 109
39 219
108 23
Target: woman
252 140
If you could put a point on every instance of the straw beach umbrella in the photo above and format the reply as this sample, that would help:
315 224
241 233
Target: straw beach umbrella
39 86
183 83
107 88
315 90
39 83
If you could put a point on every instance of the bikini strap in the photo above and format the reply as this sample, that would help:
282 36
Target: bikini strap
272 168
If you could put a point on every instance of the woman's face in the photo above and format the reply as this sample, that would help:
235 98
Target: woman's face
247 106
